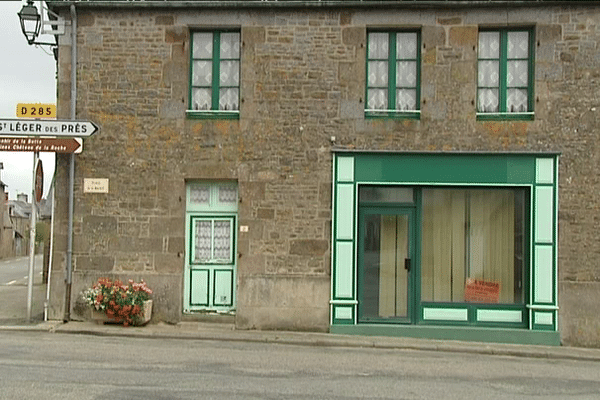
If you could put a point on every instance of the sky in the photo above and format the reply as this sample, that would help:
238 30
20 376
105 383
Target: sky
27 75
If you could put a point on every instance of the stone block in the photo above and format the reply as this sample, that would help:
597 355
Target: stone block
98 225
94 263
463 36
548 34
309 247
354 36
252 35
579 323
176 34
164 20
168 263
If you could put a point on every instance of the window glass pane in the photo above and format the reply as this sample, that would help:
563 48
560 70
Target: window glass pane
222 240
202 242
516 100
377 99
489 45
406 74
517 73
230 73
406 45
518 44
378 45
473 235
488 74
229 99
202 73
406 99
227 194
230 45
203 43
201 99
200 195
487 100
386 194
378 73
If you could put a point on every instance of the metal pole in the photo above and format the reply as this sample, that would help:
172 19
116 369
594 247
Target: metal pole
69 278
32 231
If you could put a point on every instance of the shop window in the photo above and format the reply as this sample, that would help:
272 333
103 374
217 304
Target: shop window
215 75
473 246
505 74
393 74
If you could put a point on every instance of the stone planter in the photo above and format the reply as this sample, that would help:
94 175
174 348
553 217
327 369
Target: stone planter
101 318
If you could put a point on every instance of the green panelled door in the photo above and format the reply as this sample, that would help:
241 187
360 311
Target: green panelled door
210 262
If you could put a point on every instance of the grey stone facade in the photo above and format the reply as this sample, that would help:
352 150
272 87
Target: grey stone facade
302 83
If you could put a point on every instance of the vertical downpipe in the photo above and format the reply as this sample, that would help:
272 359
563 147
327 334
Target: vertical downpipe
69 278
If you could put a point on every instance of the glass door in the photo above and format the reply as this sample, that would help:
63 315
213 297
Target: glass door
386 254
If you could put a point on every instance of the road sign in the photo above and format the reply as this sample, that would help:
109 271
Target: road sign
39 182
31 127
37 110
51 145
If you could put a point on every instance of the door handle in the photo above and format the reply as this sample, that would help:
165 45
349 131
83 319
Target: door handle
407 264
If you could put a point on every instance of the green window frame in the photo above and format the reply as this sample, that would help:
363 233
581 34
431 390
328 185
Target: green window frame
505 74
214 90
393 74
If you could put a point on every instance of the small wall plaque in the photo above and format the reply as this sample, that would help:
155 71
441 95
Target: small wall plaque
95 185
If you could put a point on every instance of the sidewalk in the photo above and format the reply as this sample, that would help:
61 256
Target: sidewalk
226 332
13 311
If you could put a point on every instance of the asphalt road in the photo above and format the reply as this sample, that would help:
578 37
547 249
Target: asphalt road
14 271
13 291
36 365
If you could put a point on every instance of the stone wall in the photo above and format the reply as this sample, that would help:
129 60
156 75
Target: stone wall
302 83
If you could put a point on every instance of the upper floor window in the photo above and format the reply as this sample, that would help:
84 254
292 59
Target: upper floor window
505 74
393 74
215 74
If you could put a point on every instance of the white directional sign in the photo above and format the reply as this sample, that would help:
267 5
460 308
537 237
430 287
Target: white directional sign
24 127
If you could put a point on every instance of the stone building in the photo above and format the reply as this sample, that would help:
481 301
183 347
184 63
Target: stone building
422 168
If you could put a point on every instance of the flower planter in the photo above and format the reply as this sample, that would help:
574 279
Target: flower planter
100 317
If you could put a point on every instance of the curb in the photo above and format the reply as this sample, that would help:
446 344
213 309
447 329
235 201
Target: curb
177 332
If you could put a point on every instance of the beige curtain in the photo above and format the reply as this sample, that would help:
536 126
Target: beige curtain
392 275
467 234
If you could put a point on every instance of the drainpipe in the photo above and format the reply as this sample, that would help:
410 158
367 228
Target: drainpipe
69 279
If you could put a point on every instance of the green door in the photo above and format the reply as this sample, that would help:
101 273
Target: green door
386 264
210 259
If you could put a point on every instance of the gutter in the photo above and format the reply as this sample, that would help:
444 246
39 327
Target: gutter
237 4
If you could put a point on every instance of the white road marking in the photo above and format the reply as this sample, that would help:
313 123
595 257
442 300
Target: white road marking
11 282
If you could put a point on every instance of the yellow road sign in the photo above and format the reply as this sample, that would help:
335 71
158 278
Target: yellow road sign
36 110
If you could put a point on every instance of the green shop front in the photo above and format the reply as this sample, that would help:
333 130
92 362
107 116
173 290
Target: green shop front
458 246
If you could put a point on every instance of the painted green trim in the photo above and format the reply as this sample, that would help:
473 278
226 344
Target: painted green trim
191 279
214 301
505 116
450 169
212 114
544 171
385 114
472 312
471 334
344 267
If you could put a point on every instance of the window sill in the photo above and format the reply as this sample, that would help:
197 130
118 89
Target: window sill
505 116
393 114
212 114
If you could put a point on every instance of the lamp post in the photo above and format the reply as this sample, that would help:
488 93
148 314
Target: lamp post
31 23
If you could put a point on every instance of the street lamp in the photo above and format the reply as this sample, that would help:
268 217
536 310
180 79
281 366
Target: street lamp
31 22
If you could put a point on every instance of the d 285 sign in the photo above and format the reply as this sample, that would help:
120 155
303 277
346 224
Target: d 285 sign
21 127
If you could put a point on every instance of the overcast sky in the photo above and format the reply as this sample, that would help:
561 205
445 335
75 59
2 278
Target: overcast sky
27 75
